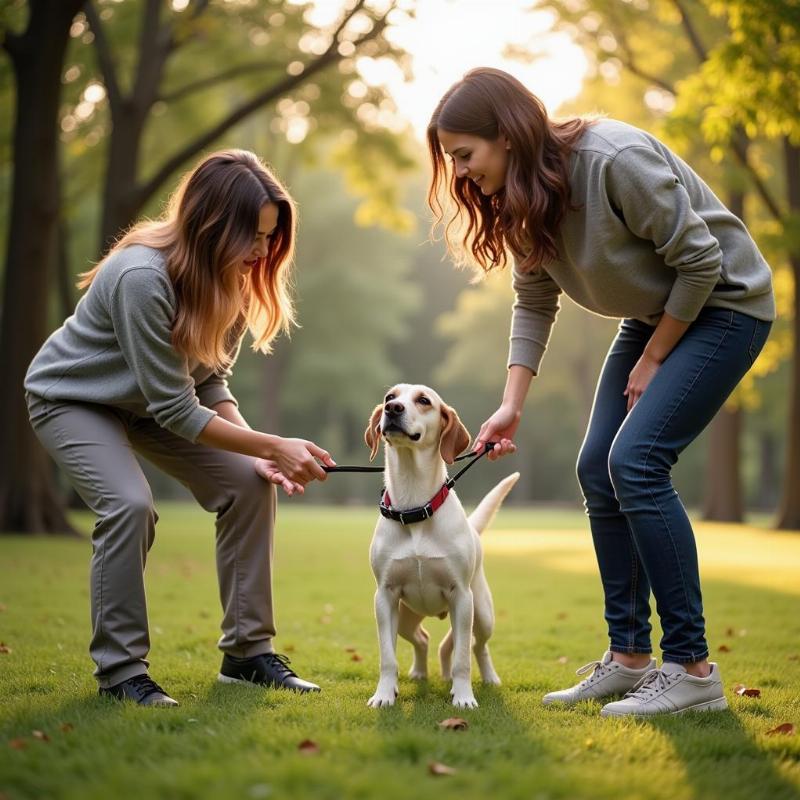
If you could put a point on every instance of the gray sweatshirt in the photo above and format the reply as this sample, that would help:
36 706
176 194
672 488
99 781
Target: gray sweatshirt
116 349
647 236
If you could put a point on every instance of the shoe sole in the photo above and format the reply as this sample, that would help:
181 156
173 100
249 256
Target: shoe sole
718 704
228 679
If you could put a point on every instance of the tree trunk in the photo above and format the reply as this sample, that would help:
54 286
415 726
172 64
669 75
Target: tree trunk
723 487
722 500
28 499
768 473
789 515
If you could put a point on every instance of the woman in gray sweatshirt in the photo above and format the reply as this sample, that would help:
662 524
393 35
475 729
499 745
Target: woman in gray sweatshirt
141 367
607 214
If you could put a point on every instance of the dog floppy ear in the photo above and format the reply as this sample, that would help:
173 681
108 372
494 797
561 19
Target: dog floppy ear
372 435
454 437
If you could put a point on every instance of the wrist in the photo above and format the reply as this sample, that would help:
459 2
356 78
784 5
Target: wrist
653 358
270 446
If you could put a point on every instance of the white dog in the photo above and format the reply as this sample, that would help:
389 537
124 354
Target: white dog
432 566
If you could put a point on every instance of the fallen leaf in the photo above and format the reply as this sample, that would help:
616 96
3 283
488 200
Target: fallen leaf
18 744
794 657
349 649
308 748
730 632
3 607
785 728
289 648
435 768
454 724
562 660
40 735
723 648
356 657
66 727
743 691
562 615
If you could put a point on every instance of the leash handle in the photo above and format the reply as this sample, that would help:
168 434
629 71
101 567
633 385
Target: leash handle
475 456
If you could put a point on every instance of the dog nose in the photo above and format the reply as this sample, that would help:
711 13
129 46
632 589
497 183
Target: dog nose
394 409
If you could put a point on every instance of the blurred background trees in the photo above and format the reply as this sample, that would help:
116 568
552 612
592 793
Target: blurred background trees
133 92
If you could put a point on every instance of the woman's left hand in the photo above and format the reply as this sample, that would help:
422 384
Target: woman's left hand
269 471
639 378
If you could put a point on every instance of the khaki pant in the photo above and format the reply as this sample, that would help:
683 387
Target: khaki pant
94 445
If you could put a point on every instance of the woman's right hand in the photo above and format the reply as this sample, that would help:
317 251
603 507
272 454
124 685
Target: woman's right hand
499 428
297 460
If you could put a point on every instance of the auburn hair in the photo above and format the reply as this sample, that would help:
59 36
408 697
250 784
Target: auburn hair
206 231
524 215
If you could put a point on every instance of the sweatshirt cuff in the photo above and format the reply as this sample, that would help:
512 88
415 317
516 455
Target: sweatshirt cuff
215 393
686 301
527 353
193 426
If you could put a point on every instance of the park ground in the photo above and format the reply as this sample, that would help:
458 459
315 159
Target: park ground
59 740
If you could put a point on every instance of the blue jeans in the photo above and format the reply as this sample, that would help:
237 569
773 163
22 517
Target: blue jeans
641 532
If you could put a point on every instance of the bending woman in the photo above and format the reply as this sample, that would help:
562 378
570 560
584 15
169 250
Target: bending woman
141 367
609 215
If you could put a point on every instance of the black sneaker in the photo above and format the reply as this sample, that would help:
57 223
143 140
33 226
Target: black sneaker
269 669
142 689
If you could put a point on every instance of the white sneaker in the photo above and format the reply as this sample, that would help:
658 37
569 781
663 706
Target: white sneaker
670 690
607 679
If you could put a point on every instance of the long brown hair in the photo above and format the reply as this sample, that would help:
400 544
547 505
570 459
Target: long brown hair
523 216
208 228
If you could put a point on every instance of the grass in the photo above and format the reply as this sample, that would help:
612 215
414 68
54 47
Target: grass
242 742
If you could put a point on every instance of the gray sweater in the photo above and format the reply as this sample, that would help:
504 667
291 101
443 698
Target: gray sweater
116 349
647 236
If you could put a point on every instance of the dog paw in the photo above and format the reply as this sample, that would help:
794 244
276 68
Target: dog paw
464 701
491 680
418 674
383 698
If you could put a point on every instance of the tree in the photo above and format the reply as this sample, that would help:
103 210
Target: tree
27 496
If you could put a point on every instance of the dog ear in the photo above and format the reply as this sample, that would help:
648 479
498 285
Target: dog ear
454 437
372 435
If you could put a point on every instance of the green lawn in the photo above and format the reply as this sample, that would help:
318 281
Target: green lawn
242 742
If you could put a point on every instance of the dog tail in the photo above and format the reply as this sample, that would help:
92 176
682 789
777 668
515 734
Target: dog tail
487 508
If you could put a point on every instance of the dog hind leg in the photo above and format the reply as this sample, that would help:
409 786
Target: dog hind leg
446 655
482 626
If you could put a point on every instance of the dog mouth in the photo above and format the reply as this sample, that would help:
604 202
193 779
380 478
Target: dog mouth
393 427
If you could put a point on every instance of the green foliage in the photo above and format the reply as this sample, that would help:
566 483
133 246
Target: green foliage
233 741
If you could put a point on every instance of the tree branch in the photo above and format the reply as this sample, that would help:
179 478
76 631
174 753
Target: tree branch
331 55
220 77
104 57
691 31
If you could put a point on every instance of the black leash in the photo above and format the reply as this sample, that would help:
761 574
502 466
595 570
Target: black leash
475 456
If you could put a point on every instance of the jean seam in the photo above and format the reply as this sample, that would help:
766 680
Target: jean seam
751 346
632 605
652 445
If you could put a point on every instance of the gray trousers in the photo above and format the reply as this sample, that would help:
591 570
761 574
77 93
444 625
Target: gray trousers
94 445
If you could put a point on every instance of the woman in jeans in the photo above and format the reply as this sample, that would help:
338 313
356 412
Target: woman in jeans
609 215
141 368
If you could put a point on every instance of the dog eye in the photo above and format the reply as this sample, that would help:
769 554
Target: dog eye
389 397
423 401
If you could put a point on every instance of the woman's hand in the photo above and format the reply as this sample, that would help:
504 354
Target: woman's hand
296 460
499 428
269 471
639 378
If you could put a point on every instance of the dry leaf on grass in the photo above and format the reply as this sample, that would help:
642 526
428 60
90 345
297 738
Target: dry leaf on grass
4 648
562 659
435 768
66 727
17 744
785 729
3 607
356 657
454 724
723 648
40 735
744 691
794 657
350 649
308 747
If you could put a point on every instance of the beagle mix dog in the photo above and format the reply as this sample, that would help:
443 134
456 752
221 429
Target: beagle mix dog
427 560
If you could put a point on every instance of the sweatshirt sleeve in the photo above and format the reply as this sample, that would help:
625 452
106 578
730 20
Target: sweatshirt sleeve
142 313
656 206
536 304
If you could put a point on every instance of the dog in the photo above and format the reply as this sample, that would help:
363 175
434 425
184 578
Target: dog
431 567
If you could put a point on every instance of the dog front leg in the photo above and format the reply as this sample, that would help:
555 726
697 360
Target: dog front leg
386 616
461 611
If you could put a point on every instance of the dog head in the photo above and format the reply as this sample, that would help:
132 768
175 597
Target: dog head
415 416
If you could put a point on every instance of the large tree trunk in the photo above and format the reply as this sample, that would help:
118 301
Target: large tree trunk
723 487
722 500
789 515
28 500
